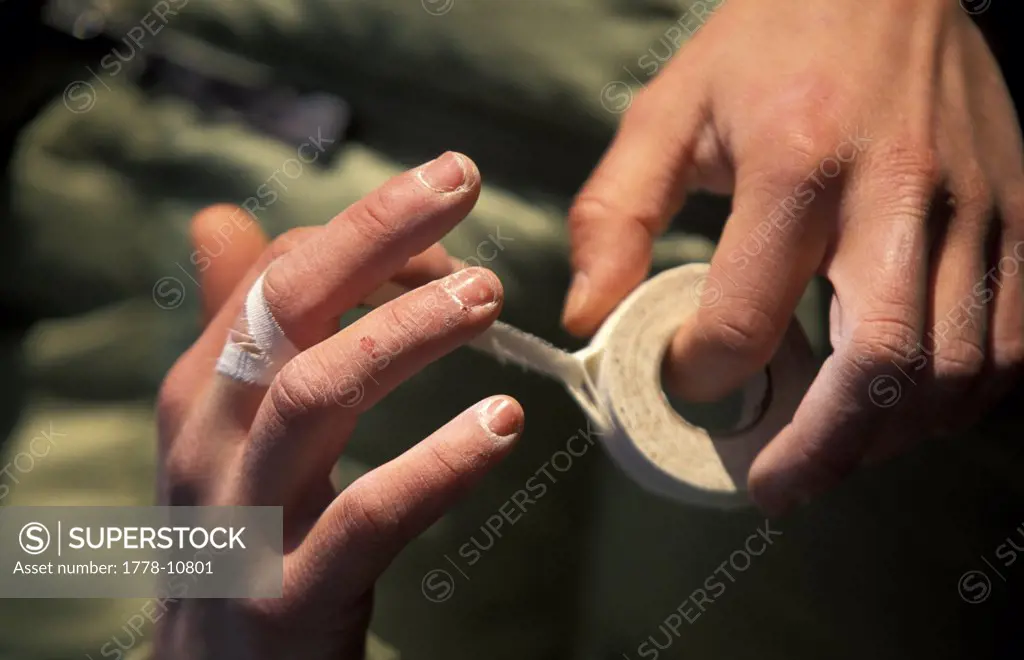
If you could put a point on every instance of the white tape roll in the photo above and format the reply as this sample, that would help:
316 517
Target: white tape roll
617 381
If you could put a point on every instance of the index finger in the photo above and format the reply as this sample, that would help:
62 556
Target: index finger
364 246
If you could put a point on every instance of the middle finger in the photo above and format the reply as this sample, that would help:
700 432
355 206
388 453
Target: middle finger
312 406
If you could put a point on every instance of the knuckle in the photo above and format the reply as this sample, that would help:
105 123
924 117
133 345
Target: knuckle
745 330
592 210
278 290
374 218
959 357
913 171
408 321
804 145
291 394
288 241
858 366
368 514
1013 210
883 339
795 157
974 195
453 463
800 123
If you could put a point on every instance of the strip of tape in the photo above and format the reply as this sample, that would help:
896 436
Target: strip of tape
257 347
617 382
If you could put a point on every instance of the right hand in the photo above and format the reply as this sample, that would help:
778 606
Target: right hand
879 149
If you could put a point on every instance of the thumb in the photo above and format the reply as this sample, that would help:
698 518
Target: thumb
227 241
630 199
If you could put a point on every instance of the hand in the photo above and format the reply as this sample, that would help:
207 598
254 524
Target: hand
877 148
227 442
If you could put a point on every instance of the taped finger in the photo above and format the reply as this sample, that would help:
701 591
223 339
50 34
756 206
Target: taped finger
304 421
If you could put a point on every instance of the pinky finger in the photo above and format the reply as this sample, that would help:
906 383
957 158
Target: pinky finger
373 519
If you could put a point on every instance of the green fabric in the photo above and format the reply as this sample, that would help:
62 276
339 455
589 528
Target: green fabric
100 203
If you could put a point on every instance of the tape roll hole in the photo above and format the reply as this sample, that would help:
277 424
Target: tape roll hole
735 412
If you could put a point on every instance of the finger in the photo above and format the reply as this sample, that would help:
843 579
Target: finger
629 200
880 278
304 422
203 354
946 371
771 246
193 376
1005 281
374 518
309 288
999 138
951 361
228 405
299 298
232 396
227 241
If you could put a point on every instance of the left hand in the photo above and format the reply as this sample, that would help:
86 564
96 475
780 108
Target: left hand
228 442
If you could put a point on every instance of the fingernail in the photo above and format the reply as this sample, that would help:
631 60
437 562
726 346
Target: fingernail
444 174
500 418
576 299
472 287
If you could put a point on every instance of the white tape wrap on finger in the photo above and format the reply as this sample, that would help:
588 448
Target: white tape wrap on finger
617 381
256 348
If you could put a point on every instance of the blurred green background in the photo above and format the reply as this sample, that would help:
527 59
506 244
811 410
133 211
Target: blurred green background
107 155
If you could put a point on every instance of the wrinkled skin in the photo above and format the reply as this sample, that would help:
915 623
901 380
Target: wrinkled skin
225 442
876 147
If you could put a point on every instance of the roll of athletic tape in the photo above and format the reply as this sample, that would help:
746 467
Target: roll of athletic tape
617 381
646 436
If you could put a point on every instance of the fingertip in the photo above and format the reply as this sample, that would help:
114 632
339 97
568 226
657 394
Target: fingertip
225 233
228 222
579 317
451 172
226 242
475 288
611 256
594 293
813 454
502 418
768 491
472 172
